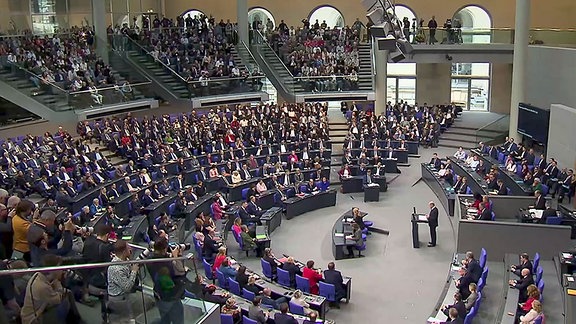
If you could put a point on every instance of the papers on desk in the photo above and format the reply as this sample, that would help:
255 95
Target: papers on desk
472 211
339 234
422 218
571 279
260 236
433 320
455 267
567 255
347 220
536 213
373 185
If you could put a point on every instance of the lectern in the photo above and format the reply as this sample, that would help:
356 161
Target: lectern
417 218
372 192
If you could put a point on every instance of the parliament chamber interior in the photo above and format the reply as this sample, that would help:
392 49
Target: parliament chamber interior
279 162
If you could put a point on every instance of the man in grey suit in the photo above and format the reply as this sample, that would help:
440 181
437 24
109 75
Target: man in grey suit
256 313
432 223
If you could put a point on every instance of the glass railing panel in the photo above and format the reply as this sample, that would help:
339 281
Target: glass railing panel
135 302
271 58
110 95
499 126
222 86
335 83
50 94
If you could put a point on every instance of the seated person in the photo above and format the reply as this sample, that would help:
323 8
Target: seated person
525 263
299 299
269 257
522 284
283 317
292 269
533 314
269 301
236 178
458 305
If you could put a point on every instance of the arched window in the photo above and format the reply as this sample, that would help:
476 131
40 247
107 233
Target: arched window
404 13
192 13
476 23
262 15
332 16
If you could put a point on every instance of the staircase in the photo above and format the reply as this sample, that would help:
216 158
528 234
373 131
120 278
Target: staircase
166 83
338 128
473 127
365 74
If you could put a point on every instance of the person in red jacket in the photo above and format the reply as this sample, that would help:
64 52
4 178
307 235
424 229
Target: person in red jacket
216 209
313 276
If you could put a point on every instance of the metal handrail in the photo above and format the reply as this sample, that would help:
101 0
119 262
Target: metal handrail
249 52
493 122
322 76
156 60
228 79
111 87
39 77
270 48
189 256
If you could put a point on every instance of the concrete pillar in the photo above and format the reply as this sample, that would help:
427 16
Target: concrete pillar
380 79
242 19
99 21
433 83
521 38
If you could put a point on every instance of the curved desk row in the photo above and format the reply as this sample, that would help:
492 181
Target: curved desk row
441 188
355 183
476 182
511 180
309 202
447 294
342 227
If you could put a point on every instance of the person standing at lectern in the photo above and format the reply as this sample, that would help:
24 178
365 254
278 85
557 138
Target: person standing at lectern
432 223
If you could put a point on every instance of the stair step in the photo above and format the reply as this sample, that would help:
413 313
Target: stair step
456 144
460 138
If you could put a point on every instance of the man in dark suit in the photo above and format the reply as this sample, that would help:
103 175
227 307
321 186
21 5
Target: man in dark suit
435 161
548 212
525 263
334 277
463 283
522 284
253 208
540 202
454 316
367 180
432 223
283 317
458 305
502 190
485 213
245 215
292 269
210 247
473 266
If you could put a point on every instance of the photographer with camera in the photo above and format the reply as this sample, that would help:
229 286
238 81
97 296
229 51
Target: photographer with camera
169 282
121 283
97 249
45 300
39 239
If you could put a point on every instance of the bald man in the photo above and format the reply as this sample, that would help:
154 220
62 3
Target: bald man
522 284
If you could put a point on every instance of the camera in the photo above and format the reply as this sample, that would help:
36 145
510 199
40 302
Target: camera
144 255
182 246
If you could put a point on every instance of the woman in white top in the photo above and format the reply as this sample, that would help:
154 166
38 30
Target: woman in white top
510 165
236 178
261 187
533 314
298 299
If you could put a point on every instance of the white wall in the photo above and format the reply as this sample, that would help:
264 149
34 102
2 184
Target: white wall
562 135
551 77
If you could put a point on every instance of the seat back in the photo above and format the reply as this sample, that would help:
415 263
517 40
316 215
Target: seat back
478 301
544 190
246 320
493 216
483 256
536 262
485 274
207 269
283 277
302 283
541 286
481 284
245 193
222 282
468 191
328 291
266 268
296 309
234 287
470 316
539 273
539 319
303 189
554 220
248 294
226 319
171 209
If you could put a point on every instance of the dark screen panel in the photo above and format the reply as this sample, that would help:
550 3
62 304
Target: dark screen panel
533 122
